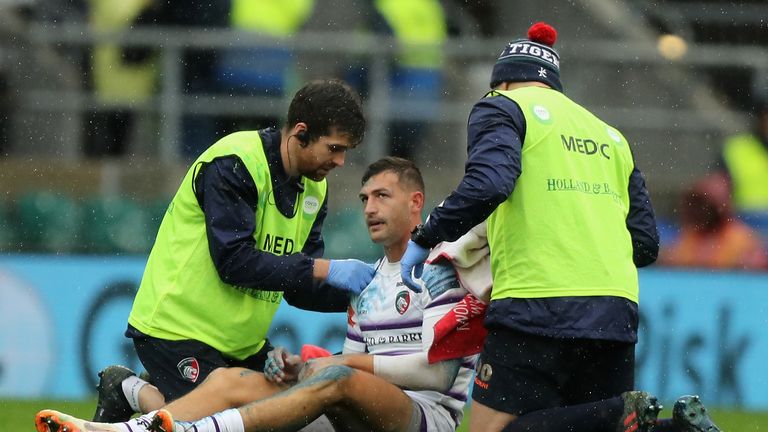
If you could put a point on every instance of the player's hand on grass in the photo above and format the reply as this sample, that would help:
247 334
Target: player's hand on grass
351 275
282 367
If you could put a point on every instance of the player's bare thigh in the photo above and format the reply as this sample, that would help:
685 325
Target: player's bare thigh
485 419
364 401
224 388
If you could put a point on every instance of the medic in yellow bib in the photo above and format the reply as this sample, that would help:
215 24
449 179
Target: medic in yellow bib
242 232
569 220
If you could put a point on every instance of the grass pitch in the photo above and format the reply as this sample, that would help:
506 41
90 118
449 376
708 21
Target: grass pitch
19 415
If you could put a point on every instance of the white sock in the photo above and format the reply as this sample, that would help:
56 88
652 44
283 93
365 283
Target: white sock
231 420
131 387
106 427
225 421
135 424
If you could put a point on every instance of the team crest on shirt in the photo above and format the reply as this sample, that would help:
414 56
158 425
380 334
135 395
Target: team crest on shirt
402 301
483 373
189 369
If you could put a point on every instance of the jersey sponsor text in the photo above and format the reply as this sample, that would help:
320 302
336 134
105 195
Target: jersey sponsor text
391 339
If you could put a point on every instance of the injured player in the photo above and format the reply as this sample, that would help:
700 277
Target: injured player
386 378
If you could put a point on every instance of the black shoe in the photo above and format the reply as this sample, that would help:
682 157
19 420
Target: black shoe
112 406
640 412
689 415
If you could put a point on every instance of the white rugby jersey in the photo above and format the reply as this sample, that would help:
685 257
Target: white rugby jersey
388 319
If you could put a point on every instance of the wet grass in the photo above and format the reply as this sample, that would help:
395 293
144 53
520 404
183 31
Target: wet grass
18 415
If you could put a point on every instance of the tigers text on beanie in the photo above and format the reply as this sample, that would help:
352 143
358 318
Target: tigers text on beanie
531 59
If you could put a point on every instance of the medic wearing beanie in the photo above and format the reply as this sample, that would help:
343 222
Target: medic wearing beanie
569 221
531 59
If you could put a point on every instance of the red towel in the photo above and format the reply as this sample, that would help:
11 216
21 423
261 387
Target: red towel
313 351
460 332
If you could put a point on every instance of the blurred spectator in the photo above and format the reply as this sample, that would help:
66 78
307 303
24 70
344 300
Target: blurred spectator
420 29
745 159
116 80
198 131
478 16
264 70
14 17
711 235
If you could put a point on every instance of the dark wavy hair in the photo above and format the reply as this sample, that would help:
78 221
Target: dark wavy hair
327 106
407 171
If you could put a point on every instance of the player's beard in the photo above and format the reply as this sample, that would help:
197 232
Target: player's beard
321 173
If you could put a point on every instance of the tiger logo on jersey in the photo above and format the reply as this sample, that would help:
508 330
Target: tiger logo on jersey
402 301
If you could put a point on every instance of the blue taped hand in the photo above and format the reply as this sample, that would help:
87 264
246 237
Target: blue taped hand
350 275
282 367
412 265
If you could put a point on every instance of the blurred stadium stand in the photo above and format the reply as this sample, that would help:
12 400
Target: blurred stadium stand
116 224
674 97
346 234
7 230
49 221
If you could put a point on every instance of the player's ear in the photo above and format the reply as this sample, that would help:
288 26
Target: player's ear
301 133
417 200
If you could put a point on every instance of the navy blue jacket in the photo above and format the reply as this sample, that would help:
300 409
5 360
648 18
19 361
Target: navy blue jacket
495 136
228 196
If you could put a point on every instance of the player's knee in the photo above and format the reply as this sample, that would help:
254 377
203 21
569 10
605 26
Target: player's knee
220 377
235 385
333 381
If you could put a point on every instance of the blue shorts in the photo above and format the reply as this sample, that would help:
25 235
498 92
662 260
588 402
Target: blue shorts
518 373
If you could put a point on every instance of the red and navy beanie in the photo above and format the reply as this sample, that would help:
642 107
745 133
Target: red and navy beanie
531 59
